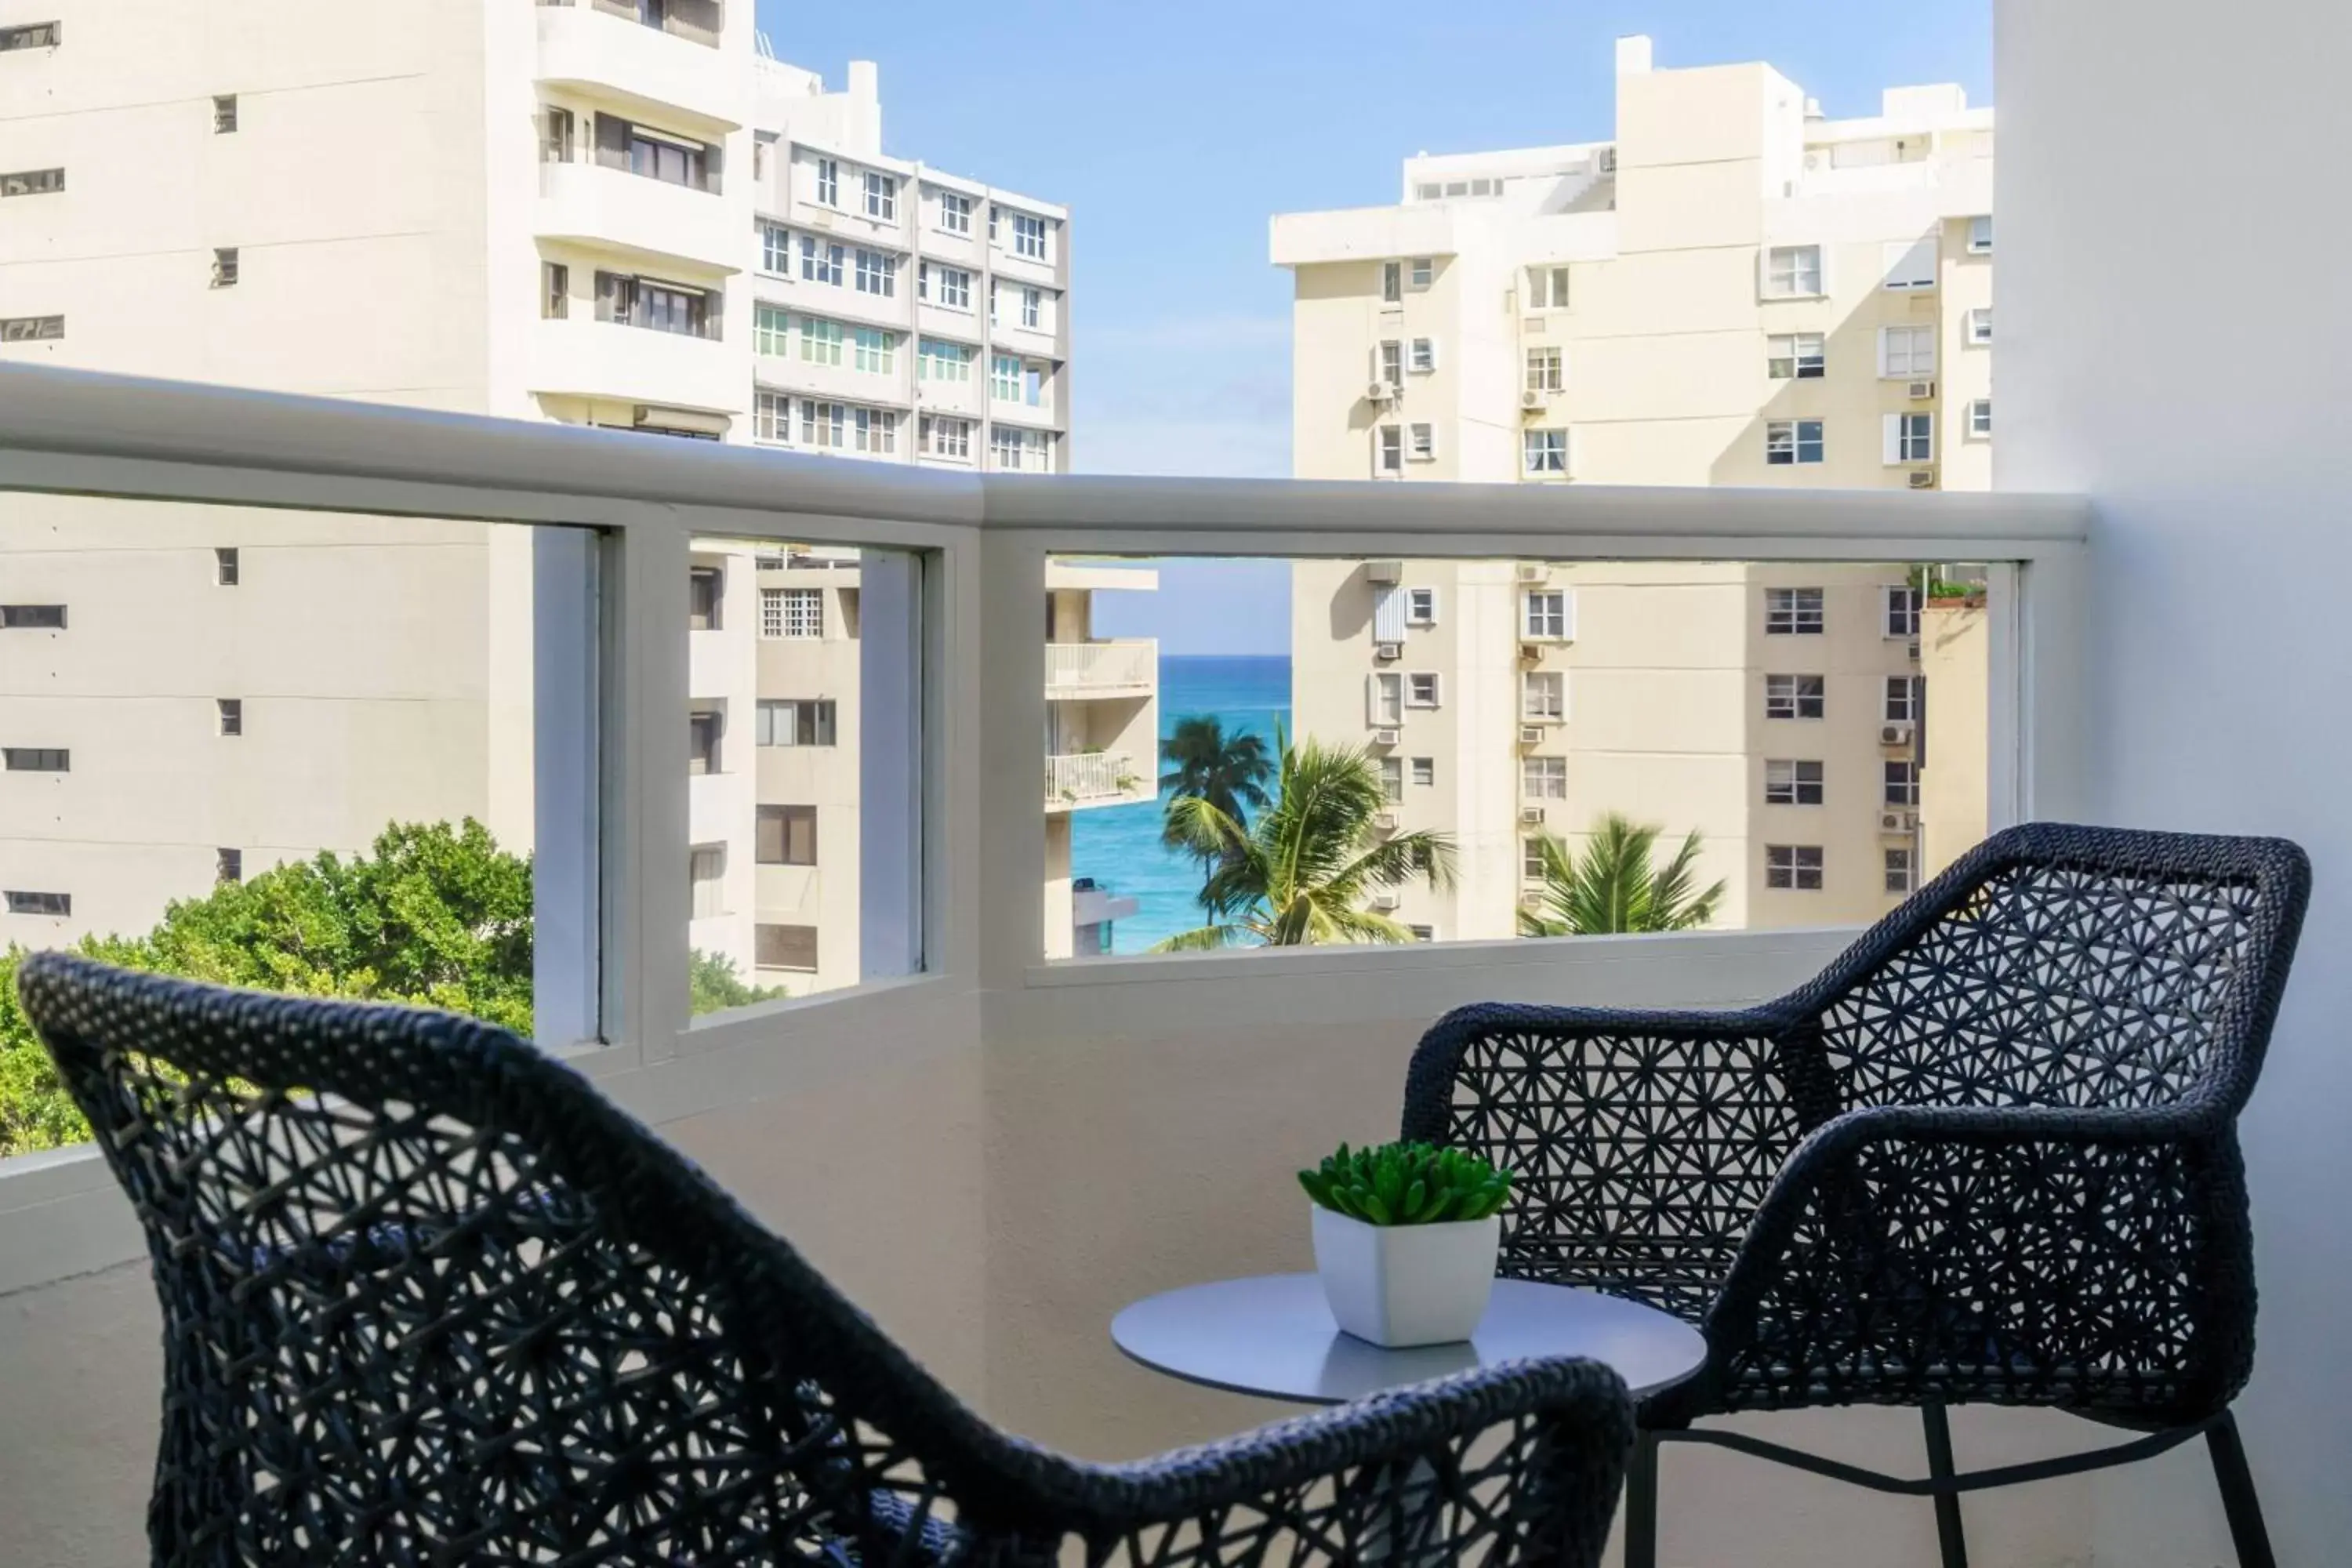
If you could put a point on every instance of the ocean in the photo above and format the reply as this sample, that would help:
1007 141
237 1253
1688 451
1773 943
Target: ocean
1119 846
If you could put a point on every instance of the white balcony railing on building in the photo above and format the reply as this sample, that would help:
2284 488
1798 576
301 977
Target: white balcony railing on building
1083 776
1126 666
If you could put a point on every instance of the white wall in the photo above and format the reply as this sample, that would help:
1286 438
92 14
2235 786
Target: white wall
2152 149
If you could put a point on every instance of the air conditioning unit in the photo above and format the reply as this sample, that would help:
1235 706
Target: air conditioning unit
1530 652
1896 734
1388 651
1385 822
1381 392
1531 734
1385 902
1914 650
1896 821
1920 391
1532 816
1383 571
1531 400
1386 737
1923 479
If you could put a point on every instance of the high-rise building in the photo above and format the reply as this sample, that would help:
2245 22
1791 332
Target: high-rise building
1734 289
619 213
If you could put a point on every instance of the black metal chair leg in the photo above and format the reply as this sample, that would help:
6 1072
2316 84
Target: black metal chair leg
1641 1504
2243 1510
1948 1535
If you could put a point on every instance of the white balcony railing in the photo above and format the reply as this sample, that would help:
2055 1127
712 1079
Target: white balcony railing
1092 778
1125 666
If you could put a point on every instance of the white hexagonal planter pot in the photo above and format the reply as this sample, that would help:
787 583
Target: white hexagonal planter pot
1400 1285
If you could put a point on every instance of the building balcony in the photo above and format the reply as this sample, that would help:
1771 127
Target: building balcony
676 76
1094 905
644 221
613 361
1095 778
1081 671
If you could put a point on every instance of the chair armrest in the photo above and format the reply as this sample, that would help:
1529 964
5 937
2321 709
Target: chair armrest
1516 1463
1641 1142
2043 1254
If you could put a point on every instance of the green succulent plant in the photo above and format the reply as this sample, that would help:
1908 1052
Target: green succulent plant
1407 1183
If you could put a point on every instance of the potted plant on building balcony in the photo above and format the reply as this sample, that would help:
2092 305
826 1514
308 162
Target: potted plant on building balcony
1405 1239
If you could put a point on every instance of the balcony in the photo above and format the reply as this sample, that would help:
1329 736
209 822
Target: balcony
1095 778
1081 671
690 79
1093 905
643 220
585 358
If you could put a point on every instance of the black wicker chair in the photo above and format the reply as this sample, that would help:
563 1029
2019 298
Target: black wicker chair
1989 1156
428 1299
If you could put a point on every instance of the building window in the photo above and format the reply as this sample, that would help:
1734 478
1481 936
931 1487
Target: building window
876 273
1544 452
225 115
1392 779
39 759
828 182
1543 694
1788 441
763 153
655 306
1004 378
1543 778
1029 236
1391 355
225 565
1906 352
1980 420
705 873
1033 309
1794 696
1392 282
944 436
1384 700
877 351
1902 782
787 836
824 424
820 340
1796 866
775 250
938 359
555 290
1910 264
772 416
1391 455
1900 876
32 183
950 288
1792 271
799 722
820 263
228 865
39 903
225 267
651 155
1421 689
1421 606
1980 326
228 715
33 617
1910 439
1546 288
1531 859
1421 933
1792 783
703 728
881 197
1420 272
1017 449
1796 356
1902 699
770 331
1544 370
29 36
1902 611
876 430
785 947
792 612
955 213
1980 235
706 592
1423 358
1424 771
1792 612
1543 613
1424 442
31 329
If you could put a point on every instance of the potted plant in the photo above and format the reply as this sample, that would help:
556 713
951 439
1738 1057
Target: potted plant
1405 1237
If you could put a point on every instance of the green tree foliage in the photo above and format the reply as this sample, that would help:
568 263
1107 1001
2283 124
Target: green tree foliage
1615 887
1301 872
1229 771
715 987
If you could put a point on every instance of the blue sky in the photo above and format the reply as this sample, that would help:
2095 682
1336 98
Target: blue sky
1173 135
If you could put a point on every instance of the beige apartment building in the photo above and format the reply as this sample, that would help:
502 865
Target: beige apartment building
1733 290
612 212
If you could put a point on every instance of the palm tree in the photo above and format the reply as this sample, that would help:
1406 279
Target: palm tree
1301 873
1613 886
1229 771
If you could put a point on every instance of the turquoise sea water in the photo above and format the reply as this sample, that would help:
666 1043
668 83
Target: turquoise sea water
1119 846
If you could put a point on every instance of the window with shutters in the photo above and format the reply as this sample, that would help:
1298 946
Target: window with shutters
1980 327
1911 264
1980 235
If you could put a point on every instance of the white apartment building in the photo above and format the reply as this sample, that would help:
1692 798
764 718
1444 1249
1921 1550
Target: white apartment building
1734 289
610 212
